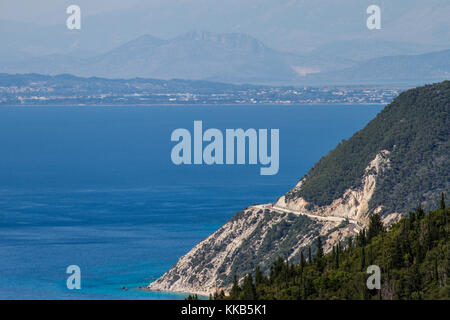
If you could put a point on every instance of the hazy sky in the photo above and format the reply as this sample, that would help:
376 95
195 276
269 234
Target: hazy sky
275 11
53 11
290 25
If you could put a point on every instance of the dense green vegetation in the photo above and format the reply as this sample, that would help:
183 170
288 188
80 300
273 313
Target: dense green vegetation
415 128
413 257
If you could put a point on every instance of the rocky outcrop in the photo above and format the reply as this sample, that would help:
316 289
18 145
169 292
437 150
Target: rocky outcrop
252 237
261 233
353 204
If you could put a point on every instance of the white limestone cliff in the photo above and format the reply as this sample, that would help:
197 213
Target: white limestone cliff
208 267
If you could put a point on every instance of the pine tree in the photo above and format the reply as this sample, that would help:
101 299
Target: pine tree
412 217
436 271
336 258
397 255
419 211
362 238
319 255
259 278
248 289
309 255
363 259
375 226
235 290
446 216
350 242
302 260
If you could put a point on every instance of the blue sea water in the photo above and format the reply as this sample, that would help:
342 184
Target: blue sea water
95 187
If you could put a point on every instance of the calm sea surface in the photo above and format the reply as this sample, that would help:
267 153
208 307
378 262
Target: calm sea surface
95 187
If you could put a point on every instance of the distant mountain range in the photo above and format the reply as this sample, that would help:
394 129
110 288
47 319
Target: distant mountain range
196 55
237 58
401 69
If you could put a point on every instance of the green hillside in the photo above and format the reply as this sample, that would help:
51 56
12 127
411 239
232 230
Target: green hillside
413 256
415 128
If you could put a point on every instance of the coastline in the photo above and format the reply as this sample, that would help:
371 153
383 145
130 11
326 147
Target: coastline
204 294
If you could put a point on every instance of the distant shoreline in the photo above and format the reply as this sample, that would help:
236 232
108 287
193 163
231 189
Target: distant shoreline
40 90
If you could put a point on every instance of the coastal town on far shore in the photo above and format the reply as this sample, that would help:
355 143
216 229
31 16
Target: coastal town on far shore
33 89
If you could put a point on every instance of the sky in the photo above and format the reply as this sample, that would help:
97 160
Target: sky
287 25
48 12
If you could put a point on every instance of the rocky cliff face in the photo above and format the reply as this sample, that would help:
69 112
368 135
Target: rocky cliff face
400 157
261 233
353 204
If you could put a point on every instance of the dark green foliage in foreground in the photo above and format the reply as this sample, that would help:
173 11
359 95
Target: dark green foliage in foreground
415 128
413 256
442 201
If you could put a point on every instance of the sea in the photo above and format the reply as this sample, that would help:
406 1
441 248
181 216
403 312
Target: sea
96 187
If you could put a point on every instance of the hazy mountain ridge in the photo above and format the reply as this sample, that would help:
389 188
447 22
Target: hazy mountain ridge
427 67
195 56
237 58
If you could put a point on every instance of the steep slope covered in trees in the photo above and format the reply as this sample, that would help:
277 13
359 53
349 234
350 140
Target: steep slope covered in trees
413 256
415 129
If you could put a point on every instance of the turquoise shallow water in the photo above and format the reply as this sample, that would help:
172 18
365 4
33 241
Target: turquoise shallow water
95 187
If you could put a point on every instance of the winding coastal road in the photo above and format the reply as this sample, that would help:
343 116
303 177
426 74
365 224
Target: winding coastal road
272 207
